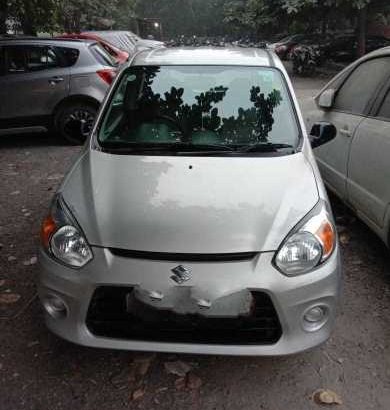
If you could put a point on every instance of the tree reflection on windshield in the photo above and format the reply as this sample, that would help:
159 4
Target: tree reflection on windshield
204 121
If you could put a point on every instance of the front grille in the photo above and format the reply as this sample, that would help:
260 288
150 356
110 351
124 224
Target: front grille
108 317
184 257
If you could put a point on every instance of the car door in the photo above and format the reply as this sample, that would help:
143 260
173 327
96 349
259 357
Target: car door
369 164
353 101
34 81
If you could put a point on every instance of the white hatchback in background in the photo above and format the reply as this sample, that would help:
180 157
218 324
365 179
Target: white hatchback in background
356 164
195 219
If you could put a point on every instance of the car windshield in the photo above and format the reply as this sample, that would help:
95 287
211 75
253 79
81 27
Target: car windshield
200 109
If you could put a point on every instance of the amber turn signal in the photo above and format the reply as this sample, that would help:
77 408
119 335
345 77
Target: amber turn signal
327 237
48 228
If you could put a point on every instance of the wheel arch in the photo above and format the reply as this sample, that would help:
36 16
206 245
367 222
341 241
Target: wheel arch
74 99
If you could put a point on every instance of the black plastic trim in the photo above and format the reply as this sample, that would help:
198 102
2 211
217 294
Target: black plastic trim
108 316
184 257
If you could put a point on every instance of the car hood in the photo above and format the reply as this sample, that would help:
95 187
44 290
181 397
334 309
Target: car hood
189 204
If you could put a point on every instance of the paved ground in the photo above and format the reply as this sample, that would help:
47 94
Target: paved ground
41 372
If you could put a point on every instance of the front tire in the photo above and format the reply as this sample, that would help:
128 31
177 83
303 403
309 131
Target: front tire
74 122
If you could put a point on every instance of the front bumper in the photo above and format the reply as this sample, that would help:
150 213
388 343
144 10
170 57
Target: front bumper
210 281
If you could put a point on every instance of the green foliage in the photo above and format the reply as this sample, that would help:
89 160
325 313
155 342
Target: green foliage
33 15
296 6
76 15
252 13
67 15
189 17
270 15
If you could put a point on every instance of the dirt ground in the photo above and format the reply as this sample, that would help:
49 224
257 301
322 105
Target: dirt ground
41 372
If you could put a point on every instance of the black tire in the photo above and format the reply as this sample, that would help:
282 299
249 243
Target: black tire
74 121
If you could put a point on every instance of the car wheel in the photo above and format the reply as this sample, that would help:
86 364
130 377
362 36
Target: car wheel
74 122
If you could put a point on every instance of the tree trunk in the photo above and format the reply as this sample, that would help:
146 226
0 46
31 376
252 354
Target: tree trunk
362 31
27 19
324 11
324 25
3 16
28 28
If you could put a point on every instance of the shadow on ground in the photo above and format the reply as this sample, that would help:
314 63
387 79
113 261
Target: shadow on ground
31 140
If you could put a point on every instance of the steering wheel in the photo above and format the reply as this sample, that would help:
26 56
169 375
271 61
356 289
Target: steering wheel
170 120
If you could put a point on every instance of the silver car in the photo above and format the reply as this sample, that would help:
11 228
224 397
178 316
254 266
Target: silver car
126 40
355 165
49 83
195 219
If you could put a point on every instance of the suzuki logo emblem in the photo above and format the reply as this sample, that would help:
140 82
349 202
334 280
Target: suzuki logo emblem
181 274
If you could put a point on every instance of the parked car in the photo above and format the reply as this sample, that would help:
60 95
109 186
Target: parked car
119 55
52 83
340 47
283 47
355 165
344 48
195 219
319 42
126 40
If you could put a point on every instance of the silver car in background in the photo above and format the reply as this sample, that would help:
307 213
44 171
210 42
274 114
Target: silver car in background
195 219
127 40
356 164
47 83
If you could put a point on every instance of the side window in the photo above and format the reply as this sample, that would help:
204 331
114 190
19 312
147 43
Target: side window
15 60
384 111
361 85
69 56
41 58
102 56
23 59
108 49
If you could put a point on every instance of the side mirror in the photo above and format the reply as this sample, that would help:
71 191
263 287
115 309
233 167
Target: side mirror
326 99
321 133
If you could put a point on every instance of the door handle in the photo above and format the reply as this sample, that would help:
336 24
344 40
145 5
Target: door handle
346 132
55 80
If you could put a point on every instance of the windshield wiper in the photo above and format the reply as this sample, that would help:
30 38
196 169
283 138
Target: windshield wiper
265 147
183 148
174 147
204 149
132 147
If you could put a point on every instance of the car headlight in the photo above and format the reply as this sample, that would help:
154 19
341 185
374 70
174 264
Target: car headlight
62 237
309 244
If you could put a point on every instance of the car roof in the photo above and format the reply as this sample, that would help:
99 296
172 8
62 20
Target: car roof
43 40
207 56
84 37
109 31
76 36
385 51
